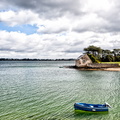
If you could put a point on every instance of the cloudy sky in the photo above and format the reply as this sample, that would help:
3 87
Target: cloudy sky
57 28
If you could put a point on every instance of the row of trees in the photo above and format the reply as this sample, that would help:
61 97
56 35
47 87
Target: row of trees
102 55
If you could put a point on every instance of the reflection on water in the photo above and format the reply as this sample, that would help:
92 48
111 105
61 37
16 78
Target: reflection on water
43 91
80 112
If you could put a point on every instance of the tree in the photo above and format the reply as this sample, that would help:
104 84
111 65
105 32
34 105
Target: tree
106 52
96 53
93 50
109 58
117 58
116 52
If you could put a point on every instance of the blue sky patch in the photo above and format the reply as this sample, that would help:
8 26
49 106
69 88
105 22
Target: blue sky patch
27 29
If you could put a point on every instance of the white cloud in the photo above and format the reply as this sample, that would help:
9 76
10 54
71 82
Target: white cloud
54 26
97 5
13 18
65 28
53 46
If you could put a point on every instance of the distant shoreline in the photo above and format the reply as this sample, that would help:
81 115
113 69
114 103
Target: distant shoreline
94 69
27 59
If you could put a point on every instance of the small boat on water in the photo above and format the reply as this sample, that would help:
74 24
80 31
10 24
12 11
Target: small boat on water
92 107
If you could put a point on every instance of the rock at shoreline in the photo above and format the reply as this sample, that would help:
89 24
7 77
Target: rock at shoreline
94 69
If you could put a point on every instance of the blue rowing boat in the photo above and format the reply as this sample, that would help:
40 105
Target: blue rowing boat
92 107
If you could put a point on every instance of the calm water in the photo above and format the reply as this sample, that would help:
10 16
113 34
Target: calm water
43 91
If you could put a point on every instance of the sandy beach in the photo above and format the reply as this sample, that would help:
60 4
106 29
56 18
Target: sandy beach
101 69
112 69
95 69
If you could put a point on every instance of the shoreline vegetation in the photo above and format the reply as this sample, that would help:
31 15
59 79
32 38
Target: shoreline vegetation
98 59
101 60
98 54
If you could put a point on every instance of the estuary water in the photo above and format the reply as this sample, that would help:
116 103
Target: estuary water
42 90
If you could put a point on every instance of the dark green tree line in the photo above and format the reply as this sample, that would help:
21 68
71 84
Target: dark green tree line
102 55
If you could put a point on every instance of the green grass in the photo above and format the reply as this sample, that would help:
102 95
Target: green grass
111 63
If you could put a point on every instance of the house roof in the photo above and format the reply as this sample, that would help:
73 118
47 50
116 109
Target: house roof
80 57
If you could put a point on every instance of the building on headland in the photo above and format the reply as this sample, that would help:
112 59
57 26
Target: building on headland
84 61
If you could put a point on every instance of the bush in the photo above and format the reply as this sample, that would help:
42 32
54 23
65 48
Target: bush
93 58
108 58
117 58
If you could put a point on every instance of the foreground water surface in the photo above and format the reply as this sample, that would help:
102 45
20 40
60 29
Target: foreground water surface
41 90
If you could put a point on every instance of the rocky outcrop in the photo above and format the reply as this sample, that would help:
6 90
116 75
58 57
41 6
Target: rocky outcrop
98 65
82 61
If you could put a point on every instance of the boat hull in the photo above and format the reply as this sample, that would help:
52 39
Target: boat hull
90 107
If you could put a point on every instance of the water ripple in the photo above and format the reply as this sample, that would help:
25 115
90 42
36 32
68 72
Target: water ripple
31 91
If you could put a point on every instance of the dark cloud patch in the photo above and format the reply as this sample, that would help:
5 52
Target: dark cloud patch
73 51
55 31
25 51
92 27
78 43
94 41
17 50
5 49
79 29
47 8
110 27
